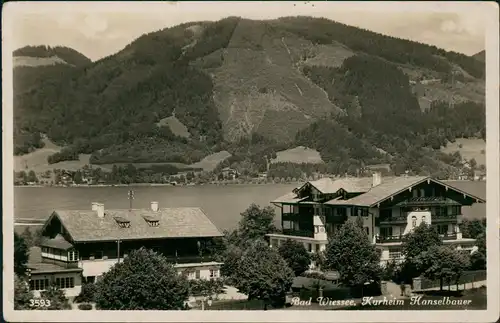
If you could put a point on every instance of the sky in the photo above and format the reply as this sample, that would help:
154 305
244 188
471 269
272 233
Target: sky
101 29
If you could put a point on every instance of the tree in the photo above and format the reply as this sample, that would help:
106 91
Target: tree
21 254
256 222
143 281
353 256
442 262
263 274
22 294
57 298
296 256
414 243
77 177
27 235
32 177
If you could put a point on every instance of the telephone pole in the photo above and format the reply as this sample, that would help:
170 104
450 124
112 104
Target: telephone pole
130 198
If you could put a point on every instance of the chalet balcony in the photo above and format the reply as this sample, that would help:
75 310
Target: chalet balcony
299 233
452 218
428 201
448 236
387 239
391 220
190 259
289 216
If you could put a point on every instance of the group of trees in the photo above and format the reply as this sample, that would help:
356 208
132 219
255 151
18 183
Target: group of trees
426 255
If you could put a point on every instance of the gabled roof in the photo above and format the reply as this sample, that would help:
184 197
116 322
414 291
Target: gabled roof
58 242
328 185
86 226
288 198
391 187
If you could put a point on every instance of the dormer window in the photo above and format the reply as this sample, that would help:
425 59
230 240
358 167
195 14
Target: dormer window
152 221
122 222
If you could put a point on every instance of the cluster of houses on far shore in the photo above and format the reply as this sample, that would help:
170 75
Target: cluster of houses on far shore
80 245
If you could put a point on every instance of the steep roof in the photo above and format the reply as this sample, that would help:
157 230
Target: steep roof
387 188
86 226
329 185
58 242
370 196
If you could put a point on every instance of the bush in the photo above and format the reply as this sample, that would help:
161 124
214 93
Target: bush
87 293
85 306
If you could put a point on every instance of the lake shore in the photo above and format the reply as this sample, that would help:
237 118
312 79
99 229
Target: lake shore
163 184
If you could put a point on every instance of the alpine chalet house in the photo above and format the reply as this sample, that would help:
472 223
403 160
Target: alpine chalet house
389 208
89 242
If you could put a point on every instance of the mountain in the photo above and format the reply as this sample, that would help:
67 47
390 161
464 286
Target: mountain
481 56
254 88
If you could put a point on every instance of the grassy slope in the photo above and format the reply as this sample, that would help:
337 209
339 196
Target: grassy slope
259 87
298 155
37 61
471 148
177 127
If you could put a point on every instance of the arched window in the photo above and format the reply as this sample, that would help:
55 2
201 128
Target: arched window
414 221
423 219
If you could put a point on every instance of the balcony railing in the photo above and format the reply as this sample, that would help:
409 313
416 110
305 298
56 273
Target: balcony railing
427 201
448 236
445 218
381 239
189 259
299 233
391 220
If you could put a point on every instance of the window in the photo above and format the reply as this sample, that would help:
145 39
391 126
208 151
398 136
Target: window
367 230
415 193
39 284
422 192
440 211
287 225
198 274
309 247
456 210
386 231
424 220
73 255
414 221
65 282
90 279
341 211
395 254
317 248
442 229
214 273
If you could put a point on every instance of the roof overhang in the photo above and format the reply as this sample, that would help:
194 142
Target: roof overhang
428 180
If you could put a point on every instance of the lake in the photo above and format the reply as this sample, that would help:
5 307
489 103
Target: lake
222 204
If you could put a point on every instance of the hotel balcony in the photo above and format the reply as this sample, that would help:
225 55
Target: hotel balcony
388 239
428 201
448 236
189 259
299 233
452 218
391 220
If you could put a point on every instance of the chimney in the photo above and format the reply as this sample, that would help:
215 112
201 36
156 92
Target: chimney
377 179
94 206
99 208
154 206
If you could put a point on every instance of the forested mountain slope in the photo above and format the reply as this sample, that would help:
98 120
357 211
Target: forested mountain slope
254 87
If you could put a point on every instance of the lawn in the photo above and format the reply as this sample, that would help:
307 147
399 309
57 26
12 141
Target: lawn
468 148
298 155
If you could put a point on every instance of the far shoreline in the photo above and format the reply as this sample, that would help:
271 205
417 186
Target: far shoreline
154 184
